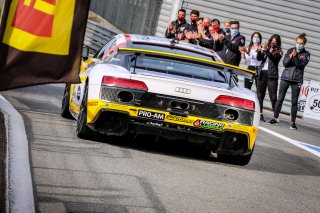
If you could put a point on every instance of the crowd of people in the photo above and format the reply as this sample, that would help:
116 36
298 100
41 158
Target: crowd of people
263 58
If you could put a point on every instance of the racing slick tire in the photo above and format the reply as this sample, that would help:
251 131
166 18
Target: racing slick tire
241 160
83 131
65 113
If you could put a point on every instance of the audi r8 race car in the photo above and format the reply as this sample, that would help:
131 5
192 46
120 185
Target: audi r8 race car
150 85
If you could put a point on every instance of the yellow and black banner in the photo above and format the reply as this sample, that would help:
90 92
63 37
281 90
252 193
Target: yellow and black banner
41 41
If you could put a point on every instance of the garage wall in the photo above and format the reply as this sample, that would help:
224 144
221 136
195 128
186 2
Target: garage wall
130 16
168 12
287 18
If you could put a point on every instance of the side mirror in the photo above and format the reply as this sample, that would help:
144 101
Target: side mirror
85 53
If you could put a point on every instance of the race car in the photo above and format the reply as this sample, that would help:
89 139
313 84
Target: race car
178 91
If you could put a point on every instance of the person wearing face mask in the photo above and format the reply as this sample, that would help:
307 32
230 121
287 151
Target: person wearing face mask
194 15
226 29
205 38
176 28
295 61
250 56
269 56
191 31
227 46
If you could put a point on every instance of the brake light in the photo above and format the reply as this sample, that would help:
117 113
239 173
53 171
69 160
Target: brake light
124 82
236 102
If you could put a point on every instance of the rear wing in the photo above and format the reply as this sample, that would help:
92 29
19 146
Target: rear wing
235 70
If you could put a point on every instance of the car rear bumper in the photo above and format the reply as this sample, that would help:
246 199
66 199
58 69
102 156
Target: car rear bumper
119 119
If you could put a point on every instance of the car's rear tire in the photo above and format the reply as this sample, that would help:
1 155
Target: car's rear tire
65 113
241 160
83 131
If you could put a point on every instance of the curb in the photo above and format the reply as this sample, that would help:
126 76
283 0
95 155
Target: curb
20 196
3 164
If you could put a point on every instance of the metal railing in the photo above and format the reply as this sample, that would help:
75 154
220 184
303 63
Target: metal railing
97 35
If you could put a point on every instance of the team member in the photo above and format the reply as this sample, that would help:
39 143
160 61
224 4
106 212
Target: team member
215 22
295 60
194 15
205 38
227 46
250 56
270 57
226 29
176 28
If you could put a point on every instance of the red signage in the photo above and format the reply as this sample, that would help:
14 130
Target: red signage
27 18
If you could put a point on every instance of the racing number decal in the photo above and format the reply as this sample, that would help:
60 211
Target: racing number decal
40 25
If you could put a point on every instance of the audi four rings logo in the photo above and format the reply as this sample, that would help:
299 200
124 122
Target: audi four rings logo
183 90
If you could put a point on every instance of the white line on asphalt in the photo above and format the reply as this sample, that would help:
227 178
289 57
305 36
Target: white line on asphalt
289 140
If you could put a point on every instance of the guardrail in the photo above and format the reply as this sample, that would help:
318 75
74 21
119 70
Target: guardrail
97 35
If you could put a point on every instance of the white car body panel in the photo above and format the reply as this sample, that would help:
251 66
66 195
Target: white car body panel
167 86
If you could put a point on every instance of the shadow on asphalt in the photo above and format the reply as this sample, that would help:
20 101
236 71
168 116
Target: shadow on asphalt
263 159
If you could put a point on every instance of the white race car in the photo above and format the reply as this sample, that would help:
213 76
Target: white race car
150 85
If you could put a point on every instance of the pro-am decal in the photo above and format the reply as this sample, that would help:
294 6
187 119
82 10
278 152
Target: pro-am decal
178 118
153 115
208 125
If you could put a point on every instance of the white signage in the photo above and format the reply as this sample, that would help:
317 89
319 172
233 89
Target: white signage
303 95
312 108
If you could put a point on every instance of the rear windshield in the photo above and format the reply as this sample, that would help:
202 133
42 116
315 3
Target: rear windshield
174 50
183 68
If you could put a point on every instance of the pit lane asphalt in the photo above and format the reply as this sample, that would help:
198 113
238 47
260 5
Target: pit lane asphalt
74 175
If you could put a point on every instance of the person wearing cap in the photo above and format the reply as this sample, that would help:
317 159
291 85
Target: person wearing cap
227 46
176 28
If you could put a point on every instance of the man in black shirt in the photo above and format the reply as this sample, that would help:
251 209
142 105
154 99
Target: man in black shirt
227 46
178 26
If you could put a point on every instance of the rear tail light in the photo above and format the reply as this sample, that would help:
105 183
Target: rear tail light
124 82
236 102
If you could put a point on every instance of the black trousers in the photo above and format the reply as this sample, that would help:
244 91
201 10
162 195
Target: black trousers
295 91
264 82
248 82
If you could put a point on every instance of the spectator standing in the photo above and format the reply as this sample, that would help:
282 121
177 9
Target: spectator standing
227 46
205 38
268 77
191 32
250 56
215 22
176 28
226 29
194 15
295 60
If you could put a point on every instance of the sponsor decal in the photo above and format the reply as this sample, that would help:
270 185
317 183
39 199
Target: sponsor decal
303 95
35 25
178 118
314 103
153 115
92 103
208 125
78 93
